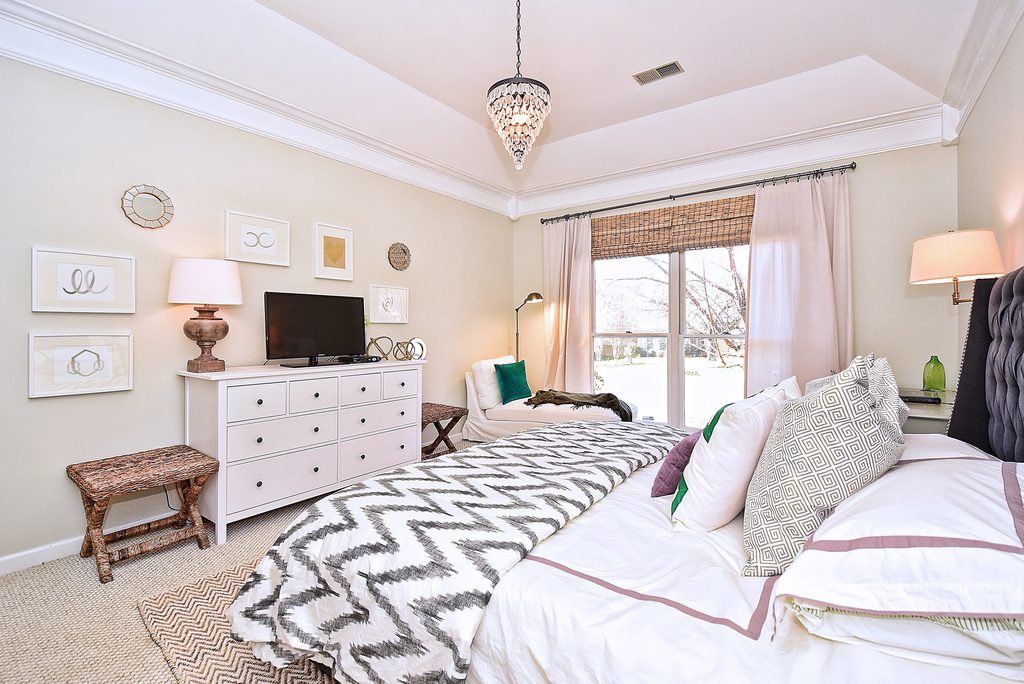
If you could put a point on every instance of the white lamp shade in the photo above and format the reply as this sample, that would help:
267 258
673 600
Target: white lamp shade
204 281
964 254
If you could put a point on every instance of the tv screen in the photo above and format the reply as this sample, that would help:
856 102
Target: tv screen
305 325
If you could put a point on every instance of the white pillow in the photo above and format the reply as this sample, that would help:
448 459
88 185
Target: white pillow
486 380
715 480
925 563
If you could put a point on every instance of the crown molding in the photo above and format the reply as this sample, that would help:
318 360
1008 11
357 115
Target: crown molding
987 35
46 40
911 128
33 36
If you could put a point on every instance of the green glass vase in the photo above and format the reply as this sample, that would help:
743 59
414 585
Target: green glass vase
934 375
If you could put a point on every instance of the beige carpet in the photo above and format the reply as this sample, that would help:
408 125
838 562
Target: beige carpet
190 626
59 625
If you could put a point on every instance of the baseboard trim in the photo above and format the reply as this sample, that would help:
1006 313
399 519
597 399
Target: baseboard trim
21 560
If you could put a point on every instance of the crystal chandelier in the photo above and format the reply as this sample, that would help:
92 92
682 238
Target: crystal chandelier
518 106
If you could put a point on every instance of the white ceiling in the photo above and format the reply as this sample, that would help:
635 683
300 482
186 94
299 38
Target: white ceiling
586 51
398 86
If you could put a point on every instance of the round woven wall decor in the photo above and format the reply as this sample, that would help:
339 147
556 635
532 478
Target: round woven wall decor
399 256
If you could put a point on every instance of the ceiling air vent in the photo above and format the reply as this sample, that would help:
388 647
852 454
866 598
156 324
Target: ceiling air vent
658 73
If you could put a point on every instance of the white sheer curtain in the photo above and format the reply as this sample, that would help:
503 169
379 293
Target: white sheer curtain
800 313
567 297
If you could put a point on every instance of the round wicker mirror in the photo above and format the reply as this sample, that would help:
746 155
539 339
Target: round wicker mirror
399 256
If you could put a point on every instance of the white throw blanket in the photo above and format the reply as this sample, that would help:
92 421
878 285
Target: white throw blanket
387 580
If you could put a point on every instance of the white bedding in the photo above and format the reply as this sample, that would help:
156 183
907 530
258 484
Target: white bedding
619 596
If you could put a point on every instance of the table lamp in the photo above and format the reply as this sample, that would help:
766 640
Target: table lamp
207 284
530 299
955 256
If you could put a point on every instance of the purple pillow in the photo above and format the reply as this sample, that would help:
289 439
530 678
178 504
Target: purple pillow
671 470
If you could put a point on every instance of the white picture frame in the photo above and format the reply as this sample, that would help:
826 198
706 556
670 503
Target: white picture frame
387 304
61 364
256 239
333 252
77 281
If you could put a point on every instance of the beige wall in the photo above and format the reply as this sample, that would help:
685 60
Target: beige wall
895 198
70 150
990 159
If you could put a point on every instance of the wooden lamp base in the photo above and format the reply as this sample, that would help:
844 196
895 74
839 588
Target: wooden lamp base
206 330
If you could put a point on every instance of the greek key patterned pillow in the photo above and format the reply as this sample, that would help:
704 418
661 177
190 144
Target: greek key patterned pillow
883 387
822 448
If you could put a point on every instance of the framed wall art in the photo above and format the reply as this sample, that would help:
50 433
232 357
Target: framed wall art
256 239
82 282
60 364
385 304
333 253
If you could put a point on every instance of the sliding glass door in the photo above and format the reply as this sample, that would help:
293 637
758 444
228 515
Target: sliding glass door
669 332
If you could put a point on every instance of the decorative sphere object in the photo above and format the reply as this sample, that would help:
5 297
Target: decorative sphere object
374 348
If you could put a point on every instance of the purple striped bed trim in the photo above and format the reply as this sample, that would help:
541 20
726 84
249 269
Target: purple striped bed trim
1012 492
751 631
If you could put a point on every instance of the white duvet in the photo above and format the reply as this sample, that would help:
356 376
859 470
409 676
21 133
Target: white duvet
619 596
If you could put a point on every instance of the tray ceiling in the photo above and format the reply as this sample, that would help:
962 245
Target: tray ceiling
774 83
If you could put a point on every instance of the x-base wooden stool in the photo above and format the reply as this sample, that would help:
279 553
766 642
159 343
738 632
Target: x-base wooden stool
100 480
435 413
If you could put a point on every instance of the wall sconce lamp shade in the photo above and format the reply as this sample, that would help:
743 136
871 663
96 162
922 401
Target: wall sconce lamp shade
955 256
209 284
530 299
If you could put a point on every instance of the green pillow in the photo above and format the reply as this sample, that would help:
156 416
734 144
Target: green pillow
512 381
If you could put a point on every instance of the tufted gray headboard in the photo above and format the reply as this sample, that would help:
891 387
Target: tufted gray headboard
1004 367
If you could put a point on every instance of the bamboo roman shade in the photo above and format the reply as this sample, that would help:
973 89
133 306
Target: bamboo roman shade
719 223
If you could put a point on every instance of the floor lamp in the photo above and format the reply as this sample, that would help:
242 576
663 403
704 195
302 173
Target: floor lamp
530 299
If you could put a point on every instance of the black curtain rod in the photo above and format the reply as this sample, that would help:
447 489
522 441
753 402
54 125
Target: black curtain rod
816 173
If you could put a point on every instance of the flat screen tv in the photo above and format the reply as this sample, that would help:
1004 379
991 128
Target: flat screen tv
314 327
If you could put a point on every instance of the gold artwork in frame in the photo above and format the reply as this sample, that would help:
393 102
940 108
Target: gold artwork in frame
333 253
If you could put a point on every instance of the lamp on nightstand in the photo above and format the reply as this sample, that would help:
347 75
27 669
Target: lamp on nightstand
955 256
208 284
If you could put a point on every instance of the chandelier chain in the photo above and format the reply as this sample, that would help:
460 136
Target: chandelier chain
519 39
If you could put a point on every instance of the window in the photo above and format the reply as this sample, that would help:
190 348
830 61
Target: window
631 325
669 331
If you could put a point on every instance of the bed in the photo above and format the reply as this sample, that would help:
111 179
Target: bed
575 574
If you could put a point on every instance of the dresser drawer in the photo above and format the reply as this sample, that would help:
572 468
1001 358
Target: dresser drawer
246 402
362 419
360 389
310 395
401 384
271 436
259 482
366 454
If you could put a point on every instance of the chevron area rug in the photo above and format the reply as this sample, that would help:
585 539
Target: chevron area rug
188 624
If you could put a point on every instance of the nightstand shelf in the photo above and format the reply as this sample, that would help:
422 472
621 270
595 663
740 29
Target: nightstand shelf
929 418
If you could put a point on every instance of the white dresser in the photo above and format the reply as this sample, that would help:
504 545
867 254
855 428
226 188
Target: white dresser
287 434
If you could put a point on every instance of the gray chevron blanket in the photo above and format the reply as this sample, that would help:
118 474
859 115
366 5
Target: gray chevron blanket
386 581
